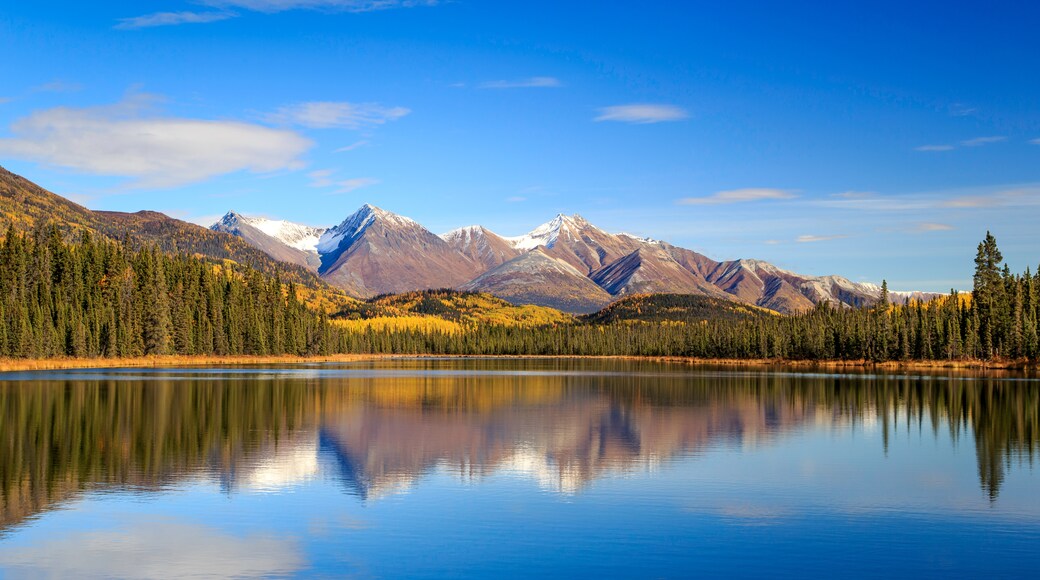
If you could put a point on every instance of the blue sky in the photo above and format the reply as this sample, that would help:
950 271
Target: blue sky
873 140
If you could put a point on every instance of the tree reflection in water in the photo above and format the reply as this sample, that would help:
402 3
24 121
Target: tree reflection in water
565 423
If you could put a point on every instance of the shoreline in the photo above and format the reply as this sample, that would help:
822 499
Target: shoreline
17 365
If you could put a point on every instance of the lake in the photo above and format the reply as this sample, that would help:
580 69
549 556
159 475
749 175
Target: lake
496 467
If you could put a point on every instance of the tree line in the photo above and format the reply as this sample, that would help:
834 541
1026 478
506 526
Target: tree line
98 298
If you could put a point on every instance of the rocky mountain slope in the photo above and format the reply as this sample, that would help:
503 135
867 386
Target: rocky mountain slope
538 278
482 245
377 252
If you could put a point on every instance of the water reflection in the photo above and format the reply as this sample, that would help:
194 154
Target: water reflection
563 424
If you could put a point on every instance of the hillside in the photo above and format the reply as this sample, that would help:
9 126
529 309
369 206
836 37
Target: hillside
465 308
656 308
25 205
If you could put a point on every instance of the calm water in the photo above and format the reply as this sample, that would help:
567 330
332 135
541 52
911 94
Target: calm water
516 468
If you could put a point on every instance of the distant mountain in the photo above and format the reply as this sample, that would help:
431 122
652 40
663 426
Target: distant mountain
378 252
652 270
537 278
575 241
482 245
282 240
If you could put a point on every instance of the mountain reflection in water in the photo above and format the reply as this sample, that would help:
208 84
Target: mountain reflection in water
565 424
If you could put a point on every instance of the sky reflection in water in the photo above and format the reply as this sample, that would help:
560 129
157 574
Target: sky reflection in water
427 468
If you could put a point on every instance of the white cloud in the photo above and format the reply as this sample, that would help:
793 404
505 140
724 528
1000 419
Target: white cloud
126 140
325 178
321 177
1035 141
331 5
225 10
808 239
961 110
855 194
932 227
642 113
57 86
351 147
154 549
973 201
935 148
533 82
349 185
516 199
977 141
738 196
171 19
336 115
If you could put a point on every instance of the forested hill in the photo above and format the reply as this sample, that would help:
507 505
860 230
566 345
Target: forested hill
685 308
25 206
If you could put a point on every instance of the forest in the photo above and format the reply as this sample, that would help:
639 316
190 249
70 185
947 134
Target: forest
95 298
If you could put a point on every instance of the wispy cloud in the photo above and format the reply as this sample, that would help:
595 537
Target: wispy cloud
961 110
642 113
516 199
974 142
325 178
171 19
1022 196
855 195
351 147
225 9
932 227
973 201
57 86
809 239
349 185
738 196
978 141
935 148
130 140
336 115
1035 141
327 5
529 83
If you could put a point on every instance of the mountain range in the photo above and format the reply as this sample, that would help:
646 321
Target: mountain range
565 263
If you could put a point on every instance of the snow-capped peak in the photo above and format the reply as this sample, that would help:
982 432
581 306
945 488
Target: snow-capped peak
547 233
464 234
292 234
356 224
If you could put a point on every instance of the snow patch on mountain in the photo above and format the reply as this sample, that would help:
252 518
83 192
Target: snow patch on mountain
463 236
291 234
